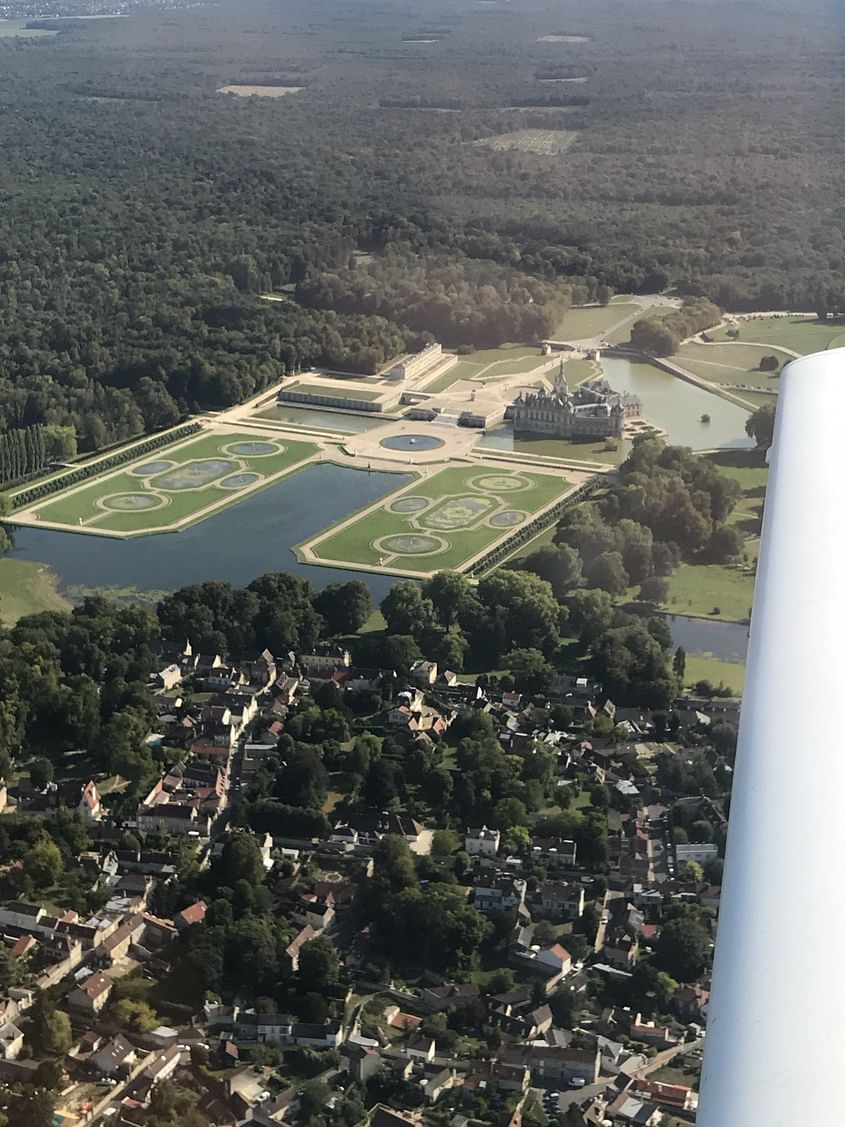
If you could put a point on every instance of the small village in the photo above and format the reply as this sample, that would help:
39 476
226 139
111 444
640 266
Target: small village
579 997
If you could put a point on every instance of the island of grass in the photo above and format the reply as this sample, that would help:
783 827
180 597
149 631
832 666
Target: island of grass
440 522
174 487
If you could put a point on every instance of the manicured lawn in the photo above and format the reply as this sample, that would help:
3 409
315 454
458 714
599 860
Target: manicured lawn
341 391
586 321
705 667
83 505
748 467
798 333
451 524
699 588
489 362
27 587
577 451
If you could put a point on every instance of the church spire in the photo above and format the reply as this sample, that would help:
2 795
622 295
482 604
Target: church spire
561 385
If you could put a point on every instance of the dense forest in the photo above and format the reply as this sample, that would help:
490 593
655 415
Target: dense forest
144 213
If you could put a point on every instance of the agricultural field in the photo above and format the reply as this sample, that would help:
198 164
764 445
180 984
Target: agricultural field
540 142
737 364
440 522
174 486
801 334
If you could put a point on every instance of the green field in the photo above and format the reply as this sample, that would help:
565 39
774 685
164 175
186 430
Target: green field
181 482
705 667
623 333
442 521
798 333
702 589
731 363
27 587
583 322
492 362
574 451
339 392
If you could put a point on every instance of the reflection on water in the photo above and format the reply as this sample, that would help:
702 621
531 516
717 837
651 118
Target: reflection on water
727 641
325 420
677 406
252 537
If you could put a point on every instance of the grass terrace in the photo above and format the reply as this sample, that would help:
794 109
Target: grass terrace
440 522
801 334
175 485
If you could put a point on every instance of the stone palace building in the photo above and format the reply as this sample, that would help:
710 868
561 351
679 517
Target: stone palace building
593 410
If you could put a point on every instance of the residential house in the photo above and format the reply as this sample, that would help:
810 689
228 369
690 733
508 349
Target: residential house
423 672
434 1086
169 677
554 1062
482 842
294 948
11 1041
164 1065
553 851
661 1036
318 913
116 947
90 807
561 900
621 948
500 893
691 1002
115 1058
90 996
422 1048
360 1061
627 1108
677 1097
525 1024
263 671
462 996
324 660
193 914
699 851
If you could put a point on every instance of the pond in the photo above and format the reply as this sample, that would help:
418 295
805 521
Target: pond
412 442
254 536
727 641
322 420
677 406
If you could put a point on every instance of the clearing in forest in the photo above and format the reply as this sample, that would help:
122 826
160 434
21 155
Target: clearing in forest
564 39
174 486
260 91
542 142
439 522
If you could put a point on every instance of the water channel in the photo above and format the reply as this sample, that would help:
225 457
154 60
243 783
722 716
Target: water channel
241 542
342 421
677 406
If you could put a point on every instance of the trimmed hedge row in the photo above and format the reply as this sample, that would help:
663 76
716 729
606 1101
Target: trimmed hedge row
534 527
43 489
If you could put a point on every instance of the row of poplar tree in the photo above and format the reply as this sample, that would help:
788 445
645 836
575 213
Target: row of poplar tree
23 451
